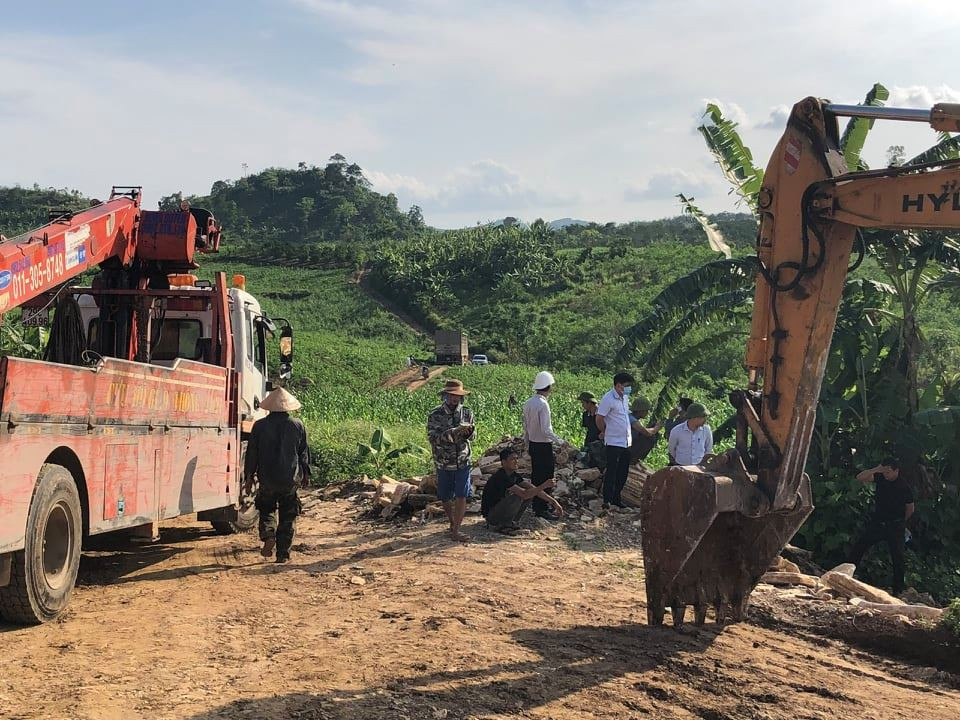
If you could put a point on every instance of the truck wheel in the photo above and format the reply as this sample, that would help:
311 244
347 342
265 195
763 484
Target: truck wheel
247 514
44 572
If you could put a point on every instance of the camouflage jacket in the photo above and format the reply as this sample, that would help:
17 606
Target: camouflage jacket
450 450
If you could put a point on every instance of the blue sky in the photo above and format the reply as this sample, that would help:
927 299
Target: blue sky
473 110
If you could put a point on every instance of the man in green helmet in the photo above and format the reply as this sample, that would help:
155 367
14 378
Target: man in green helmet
691 440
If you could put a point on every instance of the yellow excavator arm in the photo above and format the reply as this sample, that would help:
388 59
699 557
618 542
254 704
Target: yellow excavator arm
711 531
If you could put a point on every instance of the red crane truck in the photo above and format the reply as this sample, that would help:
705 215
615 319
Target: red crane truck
150 424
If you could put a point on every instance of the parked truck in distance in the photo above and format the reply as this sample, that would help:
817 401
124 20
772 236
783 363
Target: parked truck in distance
451 347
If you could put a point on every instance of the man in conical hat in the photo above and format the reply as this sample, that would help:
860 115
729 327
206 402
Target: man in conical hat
277 453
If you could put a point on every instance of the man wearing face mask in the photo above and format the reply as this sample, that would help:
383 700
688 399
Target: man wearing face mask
449 430
613 421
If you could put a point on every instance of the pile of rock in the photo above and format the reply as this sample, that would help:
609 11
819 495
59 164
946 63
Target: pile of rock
839 584
577 484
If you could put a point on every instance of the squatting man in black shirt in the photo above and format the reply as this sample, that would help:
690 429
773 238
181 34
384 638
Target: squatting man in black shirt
893 507
506 495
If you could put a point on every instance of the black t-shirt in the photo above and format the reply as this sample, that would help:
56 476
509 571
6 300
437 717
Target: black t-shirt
589 421
496 489
892 498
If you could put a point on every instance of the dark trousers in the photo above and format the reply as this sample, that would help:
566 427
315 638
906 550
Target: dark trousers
507 511
892 534
278 511
541 460
615 477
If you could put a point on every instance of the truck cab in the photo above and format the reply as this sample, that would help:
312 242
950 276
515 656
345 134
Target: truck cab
182 327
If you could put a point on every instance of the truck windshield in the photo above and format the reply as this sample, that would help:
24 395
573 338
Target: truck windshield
177 338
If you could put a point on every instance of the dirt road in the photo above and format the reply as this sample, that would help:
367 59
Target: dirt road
412 378
376 621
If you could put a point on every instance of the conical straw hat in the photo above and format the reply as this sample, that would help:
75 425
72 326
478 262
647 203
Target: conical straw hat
279 400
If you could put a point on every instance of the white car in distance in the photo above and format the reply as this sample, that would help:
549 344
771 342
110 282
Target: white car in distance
479 360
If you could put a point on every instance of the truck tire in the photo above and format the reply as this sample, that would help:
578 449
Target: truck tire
44 572
247 515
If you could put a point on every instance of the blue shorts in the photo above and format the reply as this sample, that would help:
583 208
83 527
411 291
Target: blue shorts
453 483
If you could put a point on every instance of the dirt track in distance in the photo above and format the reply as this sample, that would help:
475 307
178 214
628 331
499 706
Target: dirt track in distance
380 621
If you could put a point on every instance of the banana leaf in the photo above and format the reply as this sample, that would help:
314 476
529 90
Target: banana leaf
729 305
714 237
947 149
680 370
857 129
733 157
677 298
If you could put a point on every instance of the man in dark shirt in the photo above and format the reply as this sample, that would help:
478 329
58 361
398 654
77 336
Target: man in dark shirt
677 415
893 507
277 454
506 495
588 421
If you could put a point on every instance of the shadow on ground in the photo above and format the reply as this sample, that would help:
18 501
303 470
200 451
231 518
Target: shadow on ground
118 557
567 662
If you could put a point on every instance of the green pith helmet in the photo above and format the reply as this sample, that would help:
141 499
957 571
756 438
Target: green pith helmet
696 410
640 406
587 396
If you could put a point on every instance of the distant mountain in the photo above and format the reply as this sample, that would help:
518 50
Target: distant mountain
508 222
553 224
565 222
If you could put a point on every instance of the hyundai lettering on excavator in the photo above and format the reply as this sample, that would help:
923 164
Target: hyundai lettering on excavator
711 531
139 412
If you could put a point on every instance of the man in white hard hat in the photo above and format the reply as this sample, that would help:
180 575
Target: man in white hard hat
539 438
277 453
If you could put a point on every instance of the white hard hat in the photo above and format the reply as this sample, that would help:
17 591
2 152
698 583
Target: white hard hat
543 381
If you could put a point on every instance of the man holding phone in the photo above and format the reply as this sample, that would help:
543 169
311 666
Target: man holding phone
450 427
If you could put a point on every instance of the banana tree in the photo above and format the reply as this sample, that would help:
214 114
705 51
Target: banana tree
381 453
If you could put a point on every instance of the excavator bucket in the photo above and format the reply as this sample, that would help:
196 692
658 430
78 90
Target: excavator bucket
708 537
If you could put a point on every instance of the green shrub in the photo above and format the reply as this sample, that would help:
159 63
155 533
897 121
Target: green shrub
951 618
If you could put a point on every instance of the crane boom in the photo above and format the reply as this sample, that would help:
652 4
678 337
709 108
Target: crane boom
37 261
116 231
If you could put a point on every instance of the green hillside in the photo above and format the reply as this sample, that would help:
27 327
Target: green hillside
534 298
346 345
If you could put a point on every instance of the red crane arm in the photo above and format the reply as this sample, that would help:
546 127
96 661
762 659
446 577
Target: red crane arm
37 261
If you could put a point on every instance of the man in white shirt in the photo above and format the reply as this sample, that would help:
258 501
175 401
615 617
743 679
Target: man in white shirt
691 440
539 438
613 421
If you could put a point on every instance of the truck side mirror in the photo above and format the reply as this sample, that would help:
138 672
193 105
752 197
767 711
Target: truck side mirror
286 352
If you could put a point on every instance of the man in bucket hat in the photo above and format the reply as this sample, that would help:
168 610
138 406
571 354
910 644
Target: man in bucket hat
450 428
588 420
277 454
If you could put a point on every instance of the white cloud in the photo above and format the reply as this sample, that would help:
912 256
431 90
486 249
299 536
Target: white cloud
571 98
921 96
665 184
563 52
730 110
482 186
777 119
168 128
